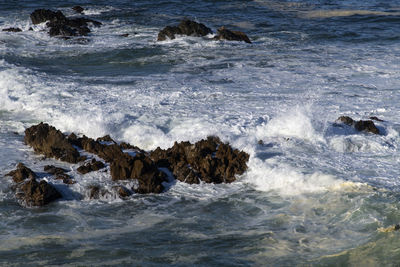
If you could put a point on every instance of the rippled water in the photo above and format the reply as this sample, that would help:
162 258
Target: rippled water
314 193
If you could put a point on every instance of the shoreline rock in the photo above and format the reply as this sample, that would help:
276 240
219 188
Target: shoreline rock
229 35
361 126
185 27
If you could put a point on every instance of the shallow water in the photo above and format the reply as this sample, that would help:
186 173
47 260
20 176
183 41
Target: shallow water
315 193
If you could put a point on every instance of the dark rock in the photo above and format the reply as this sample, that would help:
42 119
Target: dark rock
366 126
50 142
12 30
346 120
185 27
30 29
210 161
21 173
54 170
225 34
124 35
34 193
375 118
105 138
78 9
42 15
94 165
397 227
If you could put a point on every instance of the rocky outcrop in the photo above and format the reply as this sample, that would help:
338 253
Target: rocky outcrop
59 25
209 160
59 173
225 34
12 30
185 27
29 190
366 126
21 173
49 141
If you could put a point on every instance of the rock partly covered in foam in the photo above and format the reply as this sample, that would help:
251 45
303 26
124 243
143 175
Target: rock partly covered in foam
29 190
209 160
185 27
50 142
366 126
59 25
229 35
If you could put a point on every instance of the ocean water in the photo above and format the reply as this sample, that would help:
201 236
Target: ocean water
315 193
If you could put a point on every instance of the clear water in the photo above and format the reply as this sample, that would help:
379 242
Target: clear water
314 193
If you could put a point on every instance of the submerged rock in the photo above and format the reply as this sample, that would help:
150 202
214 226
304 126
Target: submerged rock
210 161
366 126
21 173
12 30
225 34
185 27
50 142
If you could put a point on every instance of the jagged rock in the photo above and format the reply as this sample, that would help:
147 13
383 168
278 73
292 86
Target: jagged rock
21 173
106 138
94 165
78 9
34 193
54 170
185 27
42 15
141 168
225 34
51 142
208 160
12 30
367 126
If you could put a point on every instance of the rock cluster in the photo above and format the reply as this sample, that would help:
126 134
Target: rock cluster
366 126
59 25
192 28
210 160
29 190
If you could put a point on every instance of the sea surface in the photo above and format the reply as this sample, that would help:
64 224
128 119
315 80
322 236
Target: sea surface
316 192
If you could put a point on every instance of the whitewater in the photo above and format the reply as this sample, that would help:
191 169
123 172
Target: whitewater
316 192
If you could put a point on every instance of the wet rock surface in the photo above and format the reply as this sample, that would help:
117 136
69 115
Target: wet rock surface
185 27
366 126
78 9
59 25
210 161
49 141
21 173
29 190
229 35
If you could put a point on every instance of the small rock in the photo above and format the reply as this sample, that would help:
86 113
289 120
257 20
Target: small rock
124 35
78 9
122 191
185 27
95 192
65 178
346 120
375 119
42 15
21 173
94 165
12 30
366 126
225 34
